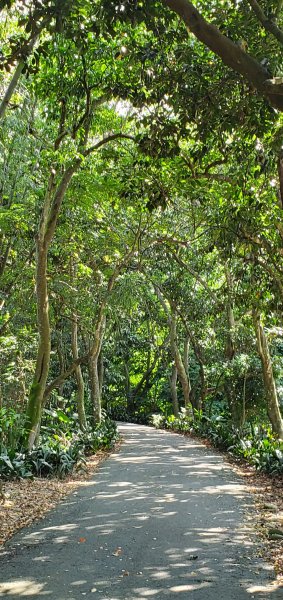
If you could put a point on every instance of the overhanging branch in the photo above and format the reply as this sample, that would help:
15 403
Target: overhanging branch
230 52
268 24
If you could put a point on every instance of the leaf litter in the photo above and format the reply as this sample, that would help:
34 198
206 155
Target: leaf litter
27 500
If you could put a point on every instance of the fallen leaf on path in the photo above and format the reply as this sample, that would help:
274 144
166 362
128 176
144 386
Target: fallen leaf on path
82 539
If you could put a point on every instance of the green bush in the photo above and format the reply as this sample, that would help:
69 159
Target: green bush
157 421
53 459
57 454
263 451
103 436
118 412
11 428
13 465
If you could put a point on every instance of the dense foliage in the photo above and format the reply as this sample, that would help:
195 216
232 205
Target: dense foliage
61 446
141 238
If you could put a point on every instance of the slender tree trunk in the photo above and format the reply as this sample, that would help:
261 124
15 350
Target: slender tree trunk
198 402
182 375
128 389
35 404
61 358
61 365
100 371
186 353
11 88
93 368
96 345
49 216
273 407
173 388
236 406
176 355
78 375
20 66
94 388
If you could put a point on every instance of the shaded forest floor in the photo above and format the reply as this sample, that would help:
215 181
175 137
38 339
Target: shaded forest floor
25 501
268 494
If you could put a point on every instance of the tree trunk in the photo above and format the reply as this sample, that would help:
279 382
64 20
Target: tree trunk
273 408
173 388
11 88
78 375
96 345
61 360
236 406
35 404
230 52
94 388
182 375
197 402
176 355
49 216
100 371
186 353
93 368
128 388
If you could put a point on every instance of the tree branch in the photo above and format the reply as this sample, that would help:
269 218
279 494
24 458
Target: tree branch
230 53
109 138
268 24
64 375
193 273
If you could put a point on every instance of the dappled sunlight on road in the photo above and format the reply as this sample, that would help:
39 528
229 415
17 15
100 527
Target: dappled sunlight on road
162 519
22 587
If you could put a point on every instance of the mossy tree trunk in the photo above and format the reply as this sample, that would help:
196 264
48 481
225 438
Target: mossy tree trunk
176 354
51 208
95 394
35 404
40 397
273 408
78 375
180 367
173 389
93 365
236 406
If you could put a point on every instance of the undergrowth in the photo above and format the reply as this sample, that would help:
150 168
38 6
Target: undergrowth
57 452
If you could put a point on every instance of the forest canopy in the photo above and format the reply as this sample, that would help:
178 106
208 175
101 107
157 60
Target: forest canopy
141 235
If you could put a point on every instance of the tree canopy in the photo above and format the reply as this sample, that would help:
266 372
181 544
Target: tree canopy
141 198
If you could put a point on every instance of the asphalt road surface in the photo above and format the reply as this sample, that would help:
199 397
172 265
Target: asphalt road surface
163 518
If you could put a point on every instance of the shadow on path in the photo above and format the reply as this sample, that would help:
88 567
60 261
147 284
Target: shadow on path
162 519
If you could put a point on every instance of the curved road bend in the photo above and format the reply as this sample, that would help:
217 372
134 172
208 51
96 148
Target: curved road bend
162 519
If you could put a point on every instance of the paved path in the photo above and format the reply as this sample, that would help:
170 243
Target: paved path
162 519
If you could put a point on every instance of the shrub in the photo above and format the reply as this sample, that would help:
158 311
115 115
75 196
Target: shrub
57 454
103 436
13 465
11 428
157 421
53 459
